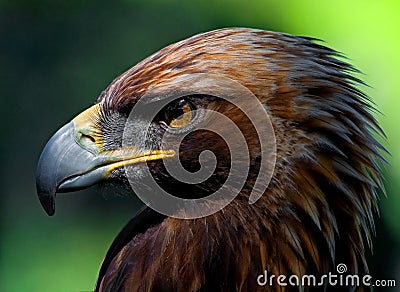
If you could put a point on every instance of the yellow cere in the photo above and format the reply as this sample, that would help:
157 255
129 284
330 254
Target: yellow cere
87 129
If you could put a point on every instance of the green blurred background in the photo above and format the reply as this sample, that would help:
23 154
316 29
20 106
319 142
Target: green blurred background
57 56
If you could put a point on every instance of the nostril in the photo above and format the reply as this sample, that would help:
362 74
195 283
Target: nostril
88 138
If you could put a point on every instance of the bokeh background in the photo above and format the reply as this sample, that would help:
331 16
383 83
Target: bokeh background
57 56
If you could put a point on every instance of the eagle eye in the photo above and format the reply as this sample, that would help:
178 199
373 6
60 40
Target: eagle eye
178 113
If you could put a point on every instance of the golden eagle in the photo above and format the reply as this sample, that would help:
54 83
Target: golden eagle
316 208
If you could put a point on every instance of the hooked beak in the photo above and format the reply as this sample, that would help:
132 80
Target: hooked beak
74 158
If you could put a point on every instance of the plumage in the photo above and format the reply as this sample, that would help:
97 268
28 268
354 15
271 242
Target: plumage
319 206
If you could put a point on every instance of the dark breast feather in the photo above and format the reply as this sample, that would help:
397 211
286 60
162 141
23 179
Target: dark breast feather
144 219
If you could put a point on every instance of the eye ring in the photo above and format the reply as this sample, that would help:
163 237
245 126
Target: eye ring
178 113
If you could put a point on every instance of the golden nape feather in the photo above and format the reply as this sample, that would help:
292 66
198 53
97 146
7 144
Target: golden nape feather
318 208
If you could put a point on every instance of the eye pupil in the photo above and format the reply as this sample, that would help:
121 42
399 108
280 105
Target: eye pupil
178 113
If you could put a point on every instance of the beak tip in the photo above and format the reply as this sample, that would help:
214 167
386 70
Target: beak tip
47 194
48 203
47 176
